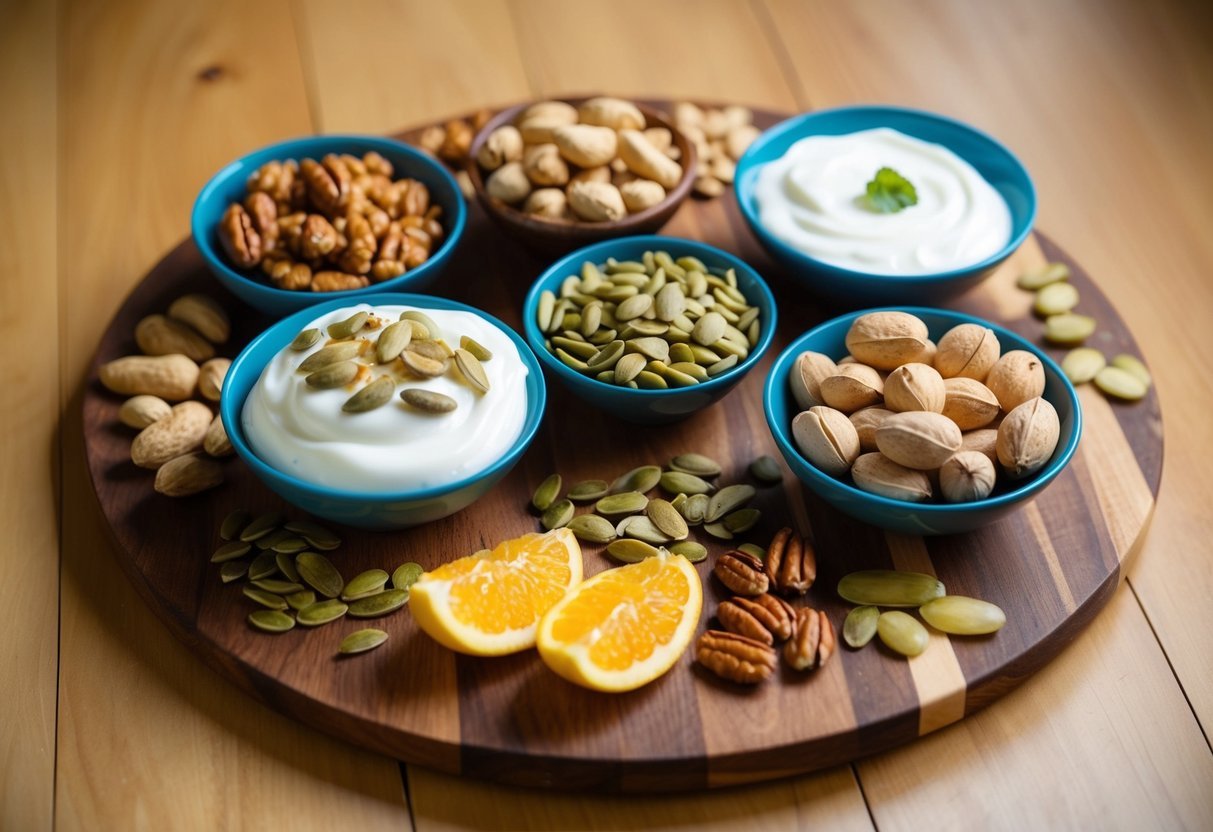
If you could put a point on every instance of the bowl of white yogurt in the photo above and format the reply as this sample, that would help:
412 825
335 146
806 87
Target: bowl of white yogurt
876 204
369 435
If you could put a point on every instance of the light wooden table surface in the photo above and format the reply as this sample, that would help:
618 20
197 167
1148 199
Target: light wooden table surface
119 111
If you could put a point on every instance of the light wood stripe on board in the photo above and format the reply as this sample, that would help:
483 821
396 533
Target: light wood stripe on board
1036 522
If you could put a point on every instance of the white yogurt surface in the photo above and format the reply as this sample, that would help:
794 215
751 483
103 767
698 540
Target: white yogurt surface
812 198
394 448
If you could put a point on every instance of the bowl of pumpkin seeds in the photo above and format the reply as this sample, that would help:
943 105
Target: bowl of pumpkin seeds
651 328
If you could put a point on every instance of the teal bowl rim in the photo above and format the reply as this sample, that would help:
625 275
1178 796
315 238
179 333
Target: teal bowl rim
571 263
301 146
780 431
230 411
790 125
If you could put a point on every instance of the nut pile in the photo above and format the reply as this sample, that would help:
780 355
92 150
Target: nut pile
911 420
757 619
283 571
330 225
410 349
183 441
1125 377
653 324
900 631
597 162
720 138
452 142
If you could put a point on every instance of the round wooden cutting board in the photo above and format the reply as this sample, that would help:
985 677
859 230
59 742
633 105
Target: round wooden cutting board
1051 565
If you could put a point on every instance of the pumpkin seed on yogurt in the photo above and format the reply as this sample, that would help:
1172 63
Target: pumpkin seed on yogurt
332 354
477 349
432 332
271 621
348 328
371 397
472 369
427 400
305 340
360 641
392 341
333 376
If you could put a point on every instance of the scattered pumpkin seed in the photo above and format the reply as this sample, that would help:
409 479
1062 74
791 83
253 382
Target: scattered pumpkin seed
374 606
289 545
314 533
261 526
1133 367
641 527
234 524
371 397
640 479
902 633
689 549
319 573
476 348
727 500
432 330
272 539
1039 278
406 575
588 491
305 340
766 470
348 328
1080 365
667 519
231 551
271 621
360 641
742 520
557 515
963 616
718 530
695 507
321 612
860 626
266 599
592 529
679 482
331 354
697 464
627 550
753 549
392 341
547 492
1055 299
278 587
299 600
889 588
333 376
370 582
626 502
428 400
233 570
265 565
1120 383
286 565
473 370
1068 328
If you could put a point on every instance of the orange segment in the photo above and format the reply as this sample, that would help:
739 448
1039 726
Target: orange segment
489 603
624 627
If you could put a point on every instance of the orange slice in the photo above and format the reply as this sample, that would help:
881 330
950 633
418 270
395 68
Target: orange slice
624 627
489 603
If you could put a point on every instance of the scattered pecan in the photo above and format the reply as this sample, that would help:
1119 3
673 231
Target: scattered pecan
764 618
791 563
736 658
238 237
337 281
813 642
457 141
741 572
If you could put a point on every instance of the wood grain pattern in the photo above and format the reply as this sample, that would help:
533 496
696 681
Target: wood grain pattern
29 411
516 722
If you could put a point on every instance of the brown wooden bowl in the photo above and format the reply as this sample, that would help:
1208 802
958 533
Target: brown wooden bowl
557 236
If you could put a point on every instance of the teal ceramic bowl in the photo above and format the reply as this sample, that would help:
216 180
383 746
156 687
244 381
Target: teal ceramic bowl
649 407
370 509
254 288
916 518
851 287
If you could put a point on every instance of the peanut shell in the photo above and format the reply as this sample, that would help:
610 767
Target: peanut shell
969 403
918 439
178 433
914 386
827 437
866 422
886 340
1017 377
967 350
852 387
807 373
966 476
877 474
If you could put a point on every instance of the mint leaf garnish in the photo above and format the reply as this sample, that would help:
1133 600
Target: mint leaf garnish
890 192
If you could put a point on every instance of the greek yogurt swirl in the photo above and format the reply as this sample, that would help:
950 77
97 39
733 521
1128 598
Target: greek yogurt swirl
812 198
394 448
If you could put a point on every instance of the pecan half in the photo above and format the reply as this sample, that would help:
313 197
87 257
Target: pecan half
414 198
375 163
741 572
763 618
264 213
323 190
337 281
317 238
239 238
360 254
791 563
813 642
736 658
297 277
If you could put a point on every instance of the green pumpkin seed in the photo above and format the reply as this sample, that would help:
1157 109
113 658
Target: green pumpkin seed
473 370
427 400
286 565
902 633
370 582
314 533
332 354
860 626
623 266
697 283
681 353
421 366
305 340
1039 278
704 356
1080 365
753 549
692 264
695 507
319 573
348 328
748 318
678 371
634 307
547 493
670 302
544 309
592 529
374 606
266 599
406 575
1068 329
709 329
272 539
631 551
650 347
718 530
277 587
641 327
606 357
697 464
727 500
271 621
371 397
603 337
640 527
234 524
321 612
667 519
680 482
689 549
557 515
333 376
431 328
962 616
572 361
1133 367
1055 299
261 526
361 641
299 600
392 341
889 588
742 520
628 367
433 350
766 470
591 318
625 502
265 565
588 491
289 545
641 479
231 551
1120 383
477 349
647 380
678 502
233 570
578 349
